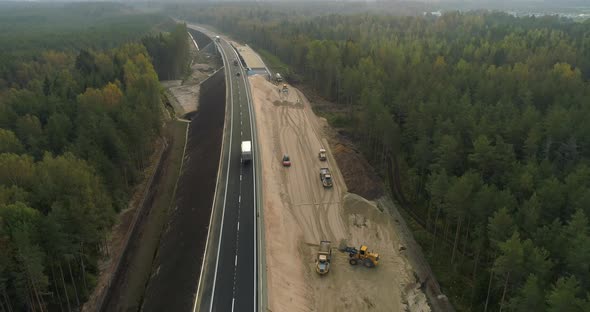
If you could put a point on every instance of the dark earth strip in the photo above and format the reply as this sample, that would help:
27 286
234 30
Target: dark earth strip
120 281
201 39
177 264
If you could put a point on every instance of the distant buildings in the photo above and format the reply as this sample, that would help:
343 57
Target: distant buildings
435 13
575 16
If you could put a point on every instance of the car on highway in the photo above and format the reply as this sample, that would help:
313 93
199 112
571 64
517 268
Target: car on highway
286 161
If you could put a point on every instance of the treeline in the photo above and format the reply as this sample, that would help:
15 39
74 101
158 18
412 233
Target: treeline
99 112
170 52
28 27
77 126
479 121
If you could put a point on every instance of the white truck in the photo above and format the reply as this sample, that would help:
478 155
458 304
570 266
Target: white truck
322 154
246 151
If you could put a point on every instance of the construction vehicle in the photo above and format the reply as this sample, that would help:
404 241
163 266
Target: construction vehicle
278 77
322 154
217 38
246 151
326 177
285 88
362 256
322 262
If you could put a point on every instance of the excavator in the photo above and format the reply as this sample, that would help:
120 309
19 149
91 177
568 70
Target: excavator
362 256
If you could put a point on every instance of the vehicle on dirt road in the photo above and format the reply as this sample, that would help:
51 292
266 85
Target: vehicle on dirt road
322 261
361 256
322 154
326 177
246 151
235 62
286 161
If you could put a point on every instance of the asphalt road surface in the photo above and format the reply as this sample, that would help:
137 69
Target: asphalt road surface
234 286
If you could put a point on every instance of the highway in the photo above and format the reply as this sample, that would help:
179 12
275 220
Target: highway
229 281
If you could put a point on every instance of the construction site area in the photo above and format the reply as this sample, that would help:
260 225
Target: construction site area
309 220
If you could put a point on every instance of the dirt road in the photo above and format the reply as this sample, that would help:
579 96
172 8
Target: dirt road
299 212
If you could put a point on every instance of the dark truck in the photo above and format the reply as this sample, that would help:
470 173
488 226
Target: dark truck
326 177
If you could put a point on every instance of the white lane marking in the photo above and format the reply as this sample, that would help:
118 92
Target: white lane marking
240 177
236 261
250 108
225 195
239 198
238 226
233 301
252 135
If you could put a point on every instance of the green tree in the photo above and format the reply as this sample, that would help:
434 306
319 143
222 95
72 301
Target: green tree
9 143
58 130
446 154
563 296
500 225
16 170
29 131
577 256
20 223
458 198
511 260
529 214
530 297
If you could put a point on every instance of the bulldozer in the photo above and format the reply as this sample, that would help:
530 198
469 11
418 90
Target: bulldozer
361 256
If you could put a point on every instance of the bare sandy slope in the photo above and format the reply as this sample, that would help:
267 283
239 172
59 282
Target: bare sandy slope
299 212
185 94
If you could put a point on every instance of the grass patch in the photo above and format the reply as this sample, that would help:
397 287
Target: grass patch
273 62
338 120
140 265
335 119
